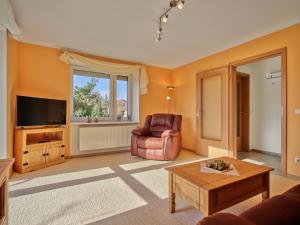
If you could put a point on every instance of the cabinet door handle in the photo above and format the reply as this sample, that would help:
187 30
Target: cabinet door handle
62 146
44 154
25 152
47 154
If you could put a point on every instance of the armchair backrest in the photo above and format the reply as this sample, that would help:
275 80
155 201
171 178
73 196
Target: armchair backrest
158 123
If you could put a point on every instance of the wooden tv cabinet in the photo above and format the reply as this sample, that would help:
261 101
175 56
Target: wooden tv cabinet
37 148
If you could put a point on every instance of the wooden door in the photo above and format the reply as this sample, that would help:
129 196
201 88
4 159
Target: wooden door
243 111
53 152
34 156
212 112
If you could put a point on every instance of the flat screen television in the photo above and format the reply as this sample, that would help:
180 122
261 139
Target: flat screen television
33 111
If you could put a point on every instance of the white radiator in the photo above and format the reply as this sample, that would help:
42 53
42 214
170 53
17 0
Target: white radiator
104 137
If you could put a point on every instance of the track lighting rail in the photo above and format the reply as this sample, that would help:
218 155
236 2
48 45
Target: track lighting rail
164 17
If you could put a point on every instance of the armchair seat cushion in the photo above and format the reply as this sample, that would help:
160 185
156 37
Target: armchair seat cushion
150 142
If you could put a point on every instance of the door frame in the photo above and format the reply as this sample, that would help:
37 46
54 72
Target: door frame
244 80
232 101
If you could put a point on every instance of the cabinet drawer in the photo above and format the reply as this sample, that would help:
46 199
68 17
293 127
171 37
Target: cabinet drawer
187 191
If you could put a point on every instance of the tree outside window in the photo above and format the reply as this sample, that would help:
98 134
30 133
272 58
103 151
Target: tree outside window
93 97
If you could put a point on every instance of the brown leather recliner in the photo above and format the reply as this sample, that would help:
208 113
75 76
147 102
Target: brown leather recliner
159 139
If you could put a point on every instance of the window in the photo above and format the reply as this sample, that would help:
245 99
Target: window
102 96
122 96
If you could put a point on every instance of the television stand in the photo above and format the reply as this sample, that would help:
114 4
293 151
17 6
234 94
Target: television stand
43 141
38 148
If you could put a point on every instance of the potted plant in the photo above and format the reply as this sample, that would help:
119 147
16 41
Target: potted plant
89 116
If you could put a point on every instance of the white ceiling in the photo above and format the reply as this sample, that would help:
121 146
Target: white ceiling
126 29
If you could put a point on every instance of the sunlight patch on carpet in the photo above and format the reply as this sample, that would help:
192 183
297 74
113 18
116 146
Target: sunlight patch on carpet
79 204
141 164
154 180
16 184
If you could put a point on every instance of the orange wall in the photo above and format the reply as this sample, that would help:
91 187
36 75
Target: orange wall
184 78
42 74
155 101
12 72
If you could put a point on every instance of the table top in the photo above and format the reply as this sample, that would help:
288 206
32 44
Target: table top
5 165
191 172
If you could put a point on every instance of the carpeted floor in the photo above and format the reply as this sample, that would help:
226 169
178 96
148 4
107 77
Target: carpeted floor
108 190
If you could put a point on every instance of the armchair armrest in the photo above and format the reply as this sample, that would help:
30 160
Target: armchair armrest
170 133
140 132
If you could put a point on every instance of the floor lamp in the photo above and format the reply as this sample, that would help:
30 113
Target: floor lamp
170 90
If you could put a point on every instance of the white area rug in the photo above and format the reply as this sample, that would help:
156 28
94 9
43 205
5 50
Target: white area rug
108 190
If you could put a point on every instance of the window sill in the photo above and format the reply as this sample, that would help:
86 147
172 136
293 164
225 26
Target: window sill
103 123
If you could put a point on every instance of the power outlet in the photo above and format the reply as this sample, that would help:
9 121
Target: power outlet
297 160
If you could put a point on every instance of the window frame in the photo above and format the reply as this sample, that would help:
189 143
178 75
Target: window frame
112 93
129 96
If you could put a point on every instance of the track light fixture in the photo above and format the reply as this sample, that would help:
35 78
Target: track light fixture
158 39
173 3
180 4
165 16
159 35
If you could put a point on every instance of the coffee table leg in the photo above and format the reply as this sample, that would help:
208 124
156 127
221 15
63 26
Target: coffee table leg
266 193
172 195
204 202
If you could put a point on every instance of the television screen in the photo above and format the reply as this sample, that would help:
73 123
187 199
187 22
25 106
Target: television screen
33 111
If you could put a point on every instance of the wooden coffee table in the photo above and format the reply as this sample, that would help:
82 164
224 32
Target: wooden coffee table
211 193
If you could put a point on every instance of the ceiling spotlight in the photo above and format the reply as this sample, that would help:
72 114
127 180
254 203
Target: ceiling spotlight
180 4
164 18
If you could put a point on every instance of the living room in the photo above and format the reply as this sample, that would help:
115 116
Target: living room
139 107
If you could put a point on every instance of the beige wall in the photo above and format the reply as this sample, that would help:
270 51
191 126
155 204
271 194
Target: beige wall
184 78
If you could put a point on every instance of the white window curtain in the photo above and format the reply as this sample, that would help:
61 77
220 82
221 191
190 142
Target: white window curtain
7 19
109 68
